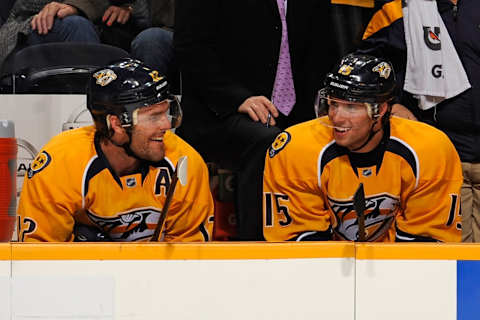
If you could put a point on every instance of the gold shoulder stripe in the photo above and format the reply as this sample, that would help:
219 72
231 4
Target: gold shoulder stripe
357 3
384 17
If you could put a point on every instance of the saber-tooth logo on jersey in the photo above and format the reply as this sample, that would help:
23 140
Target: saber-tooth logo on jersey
132 225
379 215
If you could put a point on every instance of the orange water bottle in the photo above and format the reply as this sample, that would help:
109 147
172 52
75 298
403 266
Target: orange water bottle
8 179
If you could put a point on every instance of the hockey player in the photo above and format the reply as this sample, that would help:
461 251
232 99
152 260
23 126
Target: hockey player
411 173
108 182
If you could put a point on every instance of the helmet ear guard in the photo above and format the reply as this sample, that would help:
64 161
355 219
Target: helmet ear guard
373 110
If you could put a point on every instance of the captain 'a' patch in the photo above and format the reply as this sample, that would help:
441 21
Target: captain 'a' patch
280 142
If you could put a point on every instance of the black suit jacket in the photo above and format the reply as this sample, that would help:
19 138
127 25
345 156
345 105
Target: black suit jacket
228 51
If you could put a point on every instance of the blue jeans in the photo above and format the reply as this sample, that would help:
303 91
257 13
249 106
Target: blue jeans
69 29
154 46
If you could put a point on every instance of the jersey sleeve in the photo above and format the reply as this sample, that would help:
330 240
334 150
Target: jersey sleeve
47 201
431 210
190 217
294 208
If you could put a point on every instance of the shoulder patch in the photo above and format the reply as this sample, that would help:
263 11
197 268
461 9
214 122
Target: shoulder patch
39 163
280 142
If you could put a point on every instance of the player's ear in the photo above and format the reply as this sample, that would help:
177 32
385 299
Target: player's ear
383 108
115 125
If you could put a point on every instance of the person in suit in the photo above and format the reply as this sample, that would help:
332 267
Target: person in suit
228 57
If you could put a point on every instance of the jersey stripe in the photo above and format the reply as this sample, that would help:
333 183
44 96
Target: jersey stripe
328 153
405 151
86 178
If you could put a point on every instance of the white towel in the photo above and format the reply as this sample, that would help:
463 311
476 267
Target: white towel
434 70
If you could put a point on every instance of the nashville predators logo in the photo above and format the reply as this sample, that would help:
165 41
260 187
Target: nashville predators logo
345 70
379 215
155 76
280 142
41 161
104 77
134 225
383 69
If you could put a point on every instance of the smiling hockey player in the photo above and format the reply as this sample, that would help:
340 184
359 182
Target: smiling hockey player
109 182
410 171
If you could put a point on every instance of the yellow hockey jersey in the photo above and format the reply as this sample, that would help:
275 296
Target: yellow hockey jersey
71 181
412 182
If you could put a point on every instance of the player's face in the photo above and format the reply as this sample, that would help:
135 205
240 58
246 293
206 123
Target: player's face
148 132
351 122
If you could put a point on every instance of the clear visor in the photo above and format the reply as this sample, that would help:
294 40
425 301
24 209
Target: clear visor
324 105
168 113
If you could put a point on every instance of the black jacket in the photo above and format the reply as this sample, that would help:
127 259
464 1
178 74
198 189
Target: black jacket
228 51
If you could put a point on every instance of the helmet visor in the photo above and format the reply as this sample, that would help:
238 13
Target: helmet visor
324 102
175 113
169 116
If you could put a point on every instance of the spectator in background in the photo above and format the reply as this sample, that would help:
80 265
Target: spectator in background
249 68
357 13
5 7
37 21
458 117
154 46
410 171
113 22
109 182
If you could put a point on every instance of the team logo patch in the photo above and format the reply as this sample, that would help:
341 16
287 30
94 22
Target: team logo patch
366 172
345 70
41 161
379 213
383 69
104 77
280 142
133 225
432 38
131 182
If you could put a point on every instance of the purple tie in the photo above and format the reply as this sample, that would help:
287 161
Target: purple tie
283 94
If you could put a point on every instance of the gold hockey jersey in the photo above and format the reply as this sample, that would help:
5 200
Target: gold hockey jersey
412 182
71 181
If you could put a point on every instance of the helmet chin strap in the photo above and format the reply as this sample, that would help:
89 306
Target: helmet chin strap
370 135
